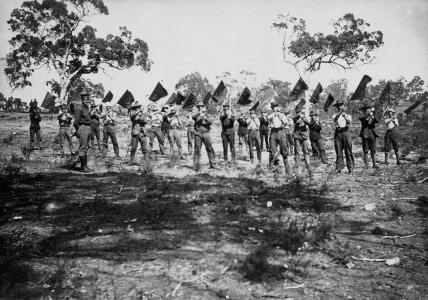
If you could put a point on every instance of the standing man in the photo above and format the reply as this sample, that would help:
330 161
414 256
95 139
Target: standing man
301 135
227 119
95 125
166 126
190 131
109 121
264 130
202 136
82 124
242 131
391 135
278 121
368 133
174 132
156 130
342 138
254 136
139 133
64 118
35 120
316 138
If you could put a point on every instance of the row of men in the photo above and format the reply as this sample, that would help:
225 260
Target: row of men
283 135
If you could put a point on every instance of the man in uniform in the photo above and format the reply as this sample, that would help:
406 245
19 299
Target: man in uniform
166 126
342 138
315 137
227 119
95 125
155 130
35 125
139 133
278 121
190 131
64 118
391 135
368 133
82 124
254 136
202 136
109 120
300 136
264 130
174 131
242 132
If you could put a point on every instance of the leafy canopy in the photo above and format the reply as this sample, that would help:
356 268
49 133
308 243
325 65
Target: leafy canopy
349 45
54 34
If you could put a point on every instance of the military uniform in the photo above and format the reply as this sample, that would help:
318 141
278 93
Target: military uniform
156 131
228 135
242 132
109 122
64 119
35 120
190 133
315 137
166 127
202 136
368 136
174 132
139 133
342 140
264 132
95 126
300 136
391 135
254 137
82 123
278 121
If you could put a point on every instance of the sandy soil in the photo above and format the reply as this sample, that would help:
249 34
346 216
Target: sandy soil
234 233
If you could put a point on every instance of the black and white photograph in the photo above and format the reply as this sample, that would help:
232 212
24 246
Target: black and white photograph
213 149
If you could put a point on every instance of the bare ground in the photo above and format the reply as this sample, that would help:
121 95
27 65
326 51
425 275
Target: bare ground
234 233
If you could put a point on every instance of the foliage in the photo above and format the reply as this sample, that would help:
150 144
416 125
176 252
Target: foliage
281 88
51 34
96 89
349 45
194 83
338 89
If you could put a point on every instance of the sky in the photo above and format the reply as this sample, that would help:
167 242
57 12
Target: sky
212 37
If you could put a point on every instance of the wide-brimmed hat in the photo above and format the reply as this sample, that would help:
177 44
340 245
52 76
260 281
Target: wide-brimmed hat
226 105
390 110
200 103
135 104
84 92
172 112
109 105
313 113
365 105
274 104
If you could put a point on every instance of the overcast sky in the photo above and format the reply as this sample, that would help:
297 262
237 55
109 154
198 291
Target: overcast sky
212 37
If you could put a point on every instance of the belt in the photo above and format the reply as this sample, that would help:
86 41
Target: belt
257 129
277 129
341 129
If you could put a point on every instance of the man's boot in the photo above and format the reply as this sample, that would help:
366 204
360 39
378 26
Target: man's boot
374 161
397 157
386 158
84 165
366 163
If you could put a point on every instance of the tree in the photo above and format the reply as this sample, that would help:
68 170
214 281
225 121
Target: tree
51 34
96 89
281 88
194 83
338 89
350 44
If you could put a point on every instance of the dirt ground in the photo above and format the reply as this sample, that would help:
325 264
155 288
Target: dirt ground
167 232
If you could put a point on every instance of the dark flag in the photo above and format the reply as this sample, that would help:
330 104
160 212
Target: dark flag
316 95
298 90
360 92
301 104
158 93
108 97
244 99
207 98
255 106
49 101
385 96
189 102
180 99
418 102
328 102
220 92
126 100
172 99
266 99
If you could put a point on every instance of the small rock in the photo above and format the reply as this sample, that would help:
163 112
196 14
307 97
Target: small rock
269 204
378 231
370 206
392 261
350 265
